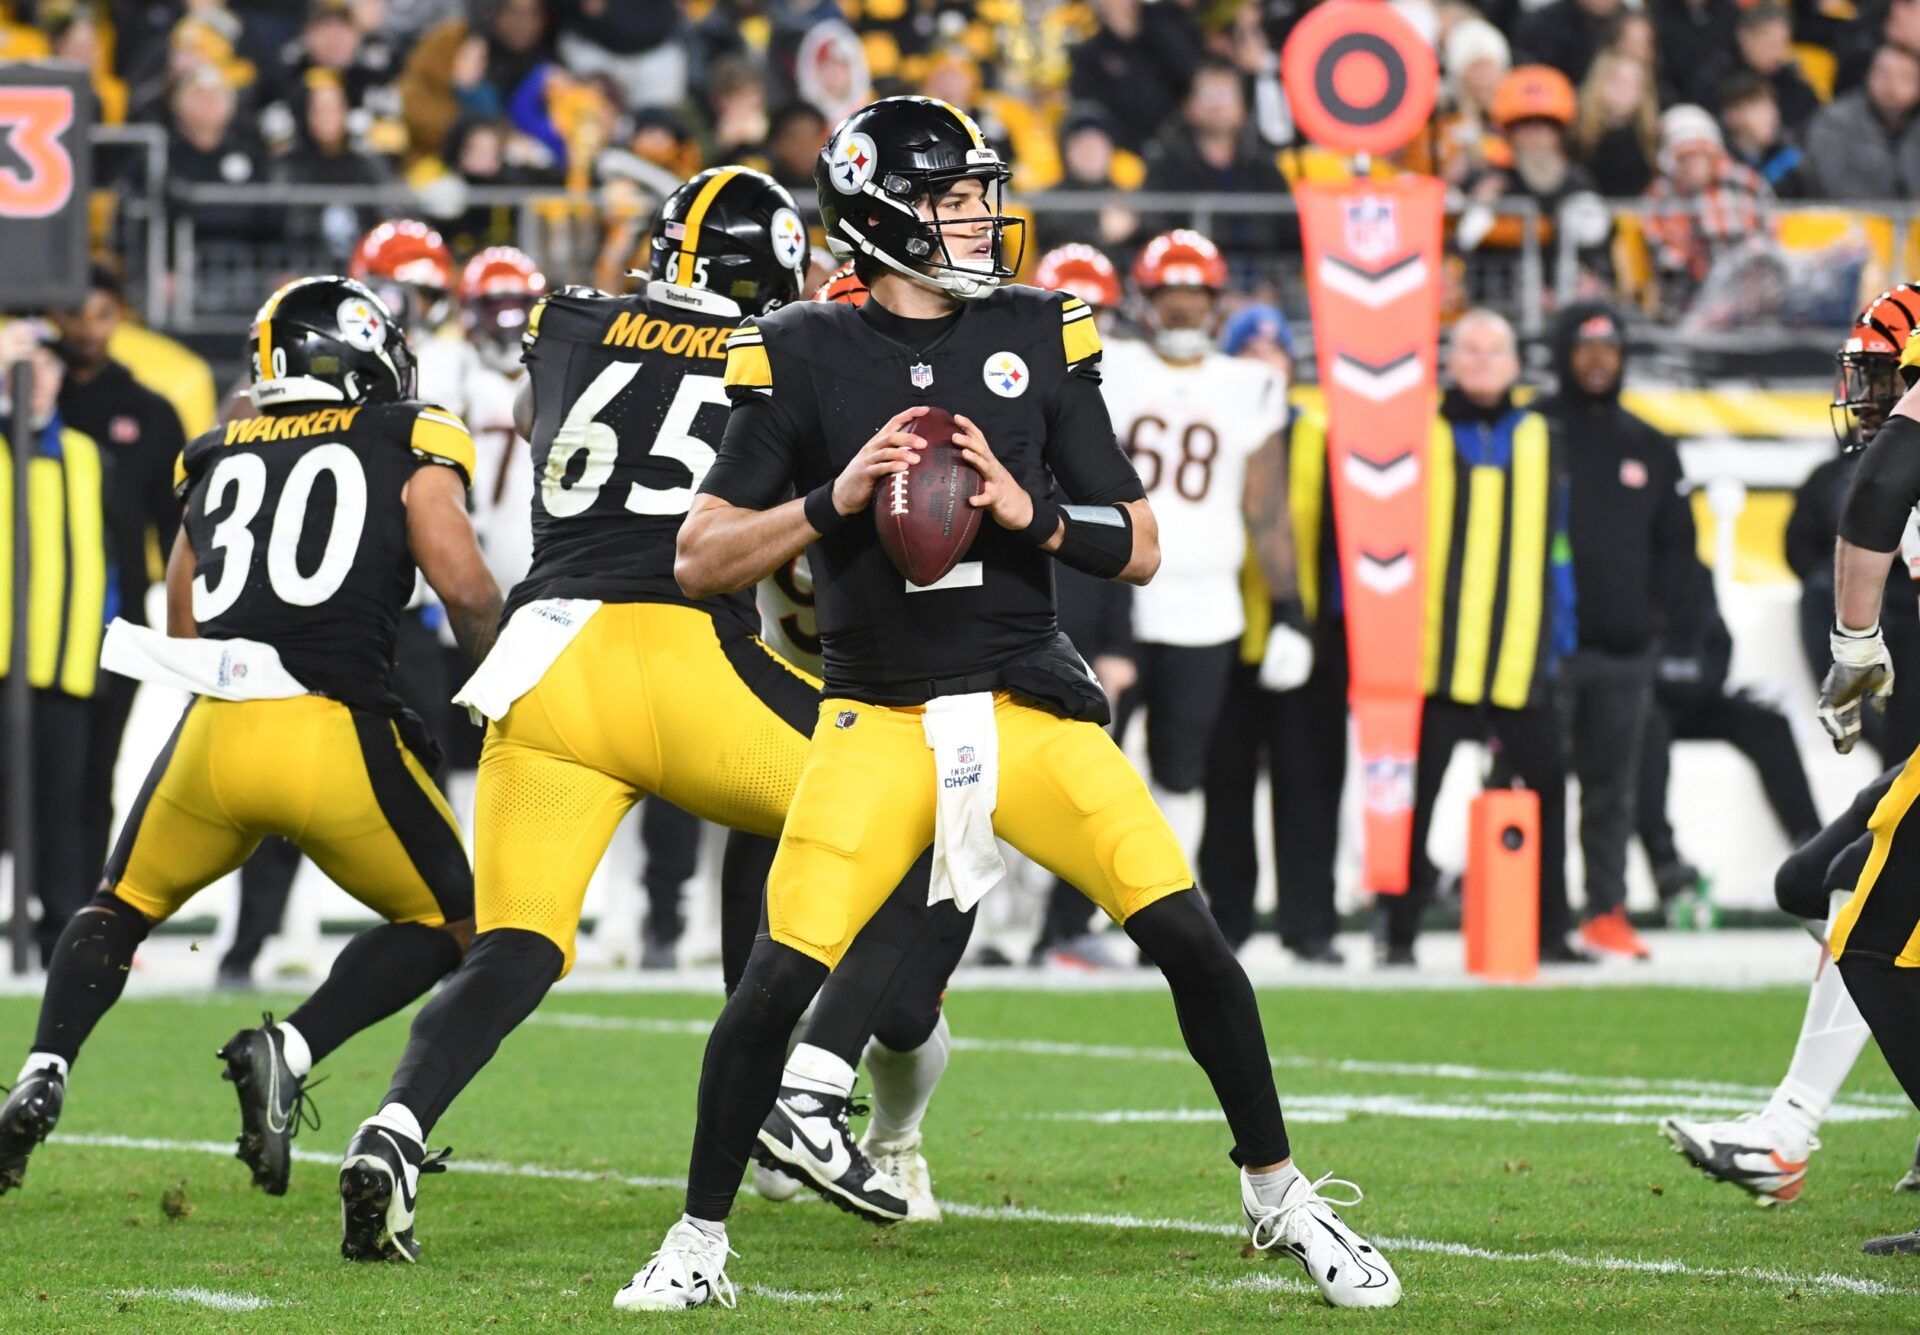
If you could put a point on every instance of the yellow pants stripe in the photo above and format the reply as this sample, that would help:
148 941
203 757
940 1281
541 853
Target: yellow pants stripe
1520 635
1479 580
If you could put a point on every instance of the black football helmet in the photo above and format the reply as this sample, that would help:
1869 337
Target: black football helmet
887 158
328 340
734 233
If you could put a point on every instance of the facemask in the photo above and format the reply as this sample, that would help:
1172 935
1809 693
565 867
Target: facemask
1182 345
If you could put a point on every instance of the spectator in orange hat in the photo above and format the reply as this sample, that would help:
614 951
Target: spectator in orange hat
1704 203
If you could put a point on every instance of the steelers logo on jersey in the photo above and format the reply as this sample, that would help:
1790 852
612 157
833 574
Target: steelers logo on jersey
789 239
853 162
1006 374
362 324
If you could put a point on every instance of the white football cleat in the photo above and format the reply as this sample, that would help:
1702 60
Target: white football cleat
770 1184
1753 1152
902 1161
1350 1271
689 1270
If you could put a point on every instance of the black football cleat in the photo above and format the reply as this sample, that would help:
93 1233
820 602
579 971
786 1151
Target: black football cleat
806 1136
1911 1182
273 1104
28 1117
1897 1244
379 1190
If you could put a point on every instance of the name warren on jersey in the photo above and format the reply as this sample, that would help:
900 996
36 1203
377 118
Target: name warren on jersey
813 381
630 403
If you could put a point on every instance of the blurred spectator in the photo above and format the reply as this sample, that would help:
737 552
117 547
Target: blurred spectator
830 70
1137 66
794 139
1874 24
208 147
1024 135
1703 205
737 107
635 42
403 21
72 34
324 152
1764 45
479 152
1695 38
1091 164
494 66
1863 144
363 65
1466 141
1212 149
1566 34
1535 109
1619 126
1755 138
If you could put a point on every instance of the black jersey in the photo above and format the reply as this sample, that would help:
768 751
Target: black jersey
299 534
628 407
811 383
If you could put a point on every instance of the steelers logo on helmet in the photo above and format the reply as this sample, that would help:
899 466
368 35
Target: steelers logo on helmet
1006 374
789 239
853 159
362 324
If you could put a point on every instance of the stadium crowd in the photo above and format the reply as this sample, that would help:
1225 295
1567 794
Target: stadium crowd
1706 113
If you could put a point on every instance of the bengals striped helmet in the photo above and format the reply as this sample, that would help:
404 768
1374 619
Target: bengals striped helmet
1082 271
1868 379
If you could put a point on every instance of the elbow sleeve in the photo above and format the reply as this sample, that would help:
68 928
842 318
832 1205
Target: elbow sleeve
1885 488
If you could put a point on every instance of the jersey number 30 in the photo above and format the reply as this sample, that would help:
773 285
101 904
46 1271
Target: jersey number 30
597 446
246 476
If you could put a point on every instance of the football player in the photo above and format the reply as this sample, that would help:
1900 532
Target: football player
610 683
1203 430
499 288
1766 1153
407 265
302 533
970 668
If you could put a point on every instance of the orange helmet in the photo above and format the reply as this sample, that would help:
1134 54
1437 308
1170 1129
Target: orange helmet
498 289
1180 258
1533 92
1082 271
1868 379
407 264
845 286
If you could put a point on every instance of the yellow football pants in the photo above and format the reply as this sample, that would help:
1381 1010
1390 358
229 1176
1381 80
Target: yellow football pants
336 781
864 810
646 699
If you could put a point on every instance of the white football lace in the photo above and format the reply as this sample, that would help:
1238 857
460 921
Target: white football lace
1270 1229
898 504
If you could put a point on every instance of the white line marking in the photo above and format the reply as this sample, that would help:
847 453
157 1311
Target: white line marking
1338 1107
219 1302
1339 1066
793 1295
1824 1280
1266 1284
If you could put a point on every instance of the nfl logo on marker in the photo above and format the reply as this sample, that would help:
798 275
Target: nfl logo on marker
1372 231
921 374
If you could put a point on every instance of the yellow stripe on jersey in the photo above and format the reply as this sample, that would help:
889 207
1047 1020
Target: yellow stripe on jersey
1079 335
690 244
1440 490
179 472
747 364
533 323
1886 818
1520 637
440 436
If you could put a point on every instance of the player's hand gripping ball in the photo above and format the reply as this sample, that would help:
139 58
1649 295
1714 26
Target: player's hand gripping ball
923 515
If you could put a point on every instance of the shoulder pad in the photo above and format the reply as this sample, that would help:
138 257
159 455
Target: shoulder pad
1079 337
194 457
438 436
748 366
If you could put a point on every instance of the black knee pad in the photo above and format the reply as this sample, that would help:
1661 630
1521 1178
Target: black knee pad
121 918
1179 934
1799 887
519 953
777 985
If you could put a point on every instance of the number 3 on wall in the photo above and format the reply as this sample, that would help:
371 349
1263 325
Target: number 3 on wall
31 123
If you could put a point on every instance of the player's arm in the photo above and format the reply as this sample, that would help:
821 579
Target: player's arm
440 535
181 565
1264 503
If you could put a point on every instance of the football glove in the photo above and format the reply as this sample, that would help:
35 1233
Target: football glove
1862 671
1288 661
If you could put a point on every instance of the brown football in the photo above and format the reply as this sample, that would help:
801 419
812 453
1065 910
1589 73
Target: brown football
922 515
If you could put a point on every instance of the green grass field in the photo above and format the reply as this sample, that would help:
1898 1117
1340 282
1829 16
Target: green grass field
1505 1139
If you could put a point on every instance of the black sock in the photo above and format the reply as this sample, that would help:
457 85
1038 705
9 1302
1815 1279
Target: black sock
741 1075
1218 1017
381 970
497 986
1889 1001
88 972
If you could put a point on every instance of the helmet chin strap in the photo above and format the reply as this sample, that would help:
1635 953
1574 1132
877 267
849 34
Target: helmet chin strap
957 283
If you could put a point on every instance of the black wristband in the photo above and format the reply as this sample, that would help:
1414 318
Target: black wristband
1044 524
821 511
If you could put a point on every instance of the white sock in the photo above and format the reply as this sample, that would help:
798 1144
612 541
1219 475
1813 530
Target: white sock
40 1061
399 1117
1831 1037
818 1070
294 1045
1185 812
903 1084
1269 1188
713 1228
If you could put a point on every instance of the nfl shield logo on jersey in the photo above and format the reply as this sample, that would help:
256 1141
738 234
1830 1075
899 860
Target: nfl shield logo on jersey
921 374
846 718
1372 232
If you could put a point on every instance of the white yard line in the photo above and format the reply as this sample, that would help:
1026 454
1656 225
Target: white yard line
1491 1108
1824 1281
793 1295
199 1297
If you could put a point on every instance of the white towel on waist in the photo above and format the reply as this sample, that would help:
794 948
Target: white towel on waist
222 669
528 644
965 739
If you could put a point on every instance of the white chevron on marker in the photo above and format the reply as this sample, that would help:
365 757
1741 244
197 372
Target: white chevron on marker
1385 575
1373 287
1381 382
1382 479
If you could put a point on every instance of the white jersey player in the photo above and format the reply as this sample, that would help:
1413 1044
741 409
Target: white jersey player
1203 430
498 290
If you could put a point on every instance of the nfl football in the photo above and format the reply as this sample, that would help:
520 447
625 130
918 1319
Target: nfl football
922 515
